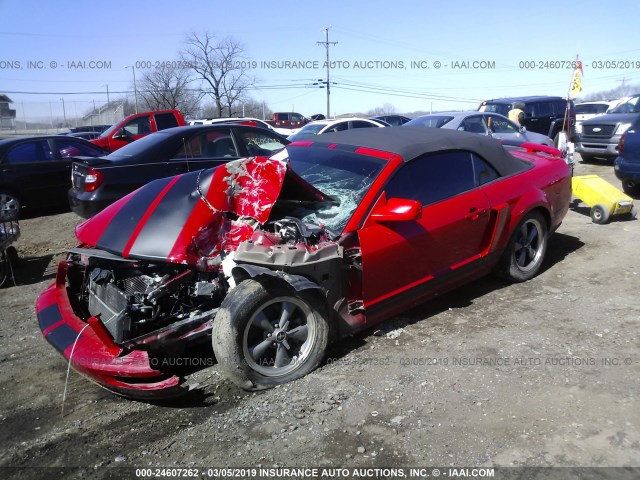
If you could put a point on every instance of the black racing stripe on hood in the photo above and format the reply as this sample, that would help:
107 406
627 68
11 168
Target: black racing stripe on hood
49 316
163 227
117 234
62 337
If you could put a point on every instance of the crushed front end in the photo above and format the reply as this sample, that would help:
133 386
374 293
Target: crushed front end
116 321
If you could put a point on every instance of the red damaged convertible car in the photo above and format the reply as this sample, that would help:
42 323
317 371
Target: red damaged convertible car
272 259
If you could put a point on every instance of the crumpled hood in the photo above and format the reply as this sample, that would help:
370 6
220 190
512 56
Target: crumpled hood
169 220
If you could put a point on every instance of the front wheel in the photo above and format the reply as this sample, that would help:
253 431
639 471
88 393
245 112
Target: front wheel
269 334
525 252
9 206
599 214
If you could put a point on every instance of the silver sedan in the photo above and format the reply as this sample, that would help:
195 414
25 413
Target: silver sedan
490 124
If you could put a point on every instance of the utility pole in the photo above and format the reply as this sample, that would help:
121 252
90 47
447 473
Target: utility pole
327 44
64 112
135 87
623 85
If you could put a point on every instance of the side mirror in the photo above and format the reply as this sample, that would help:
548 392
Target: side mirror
522 129
398 210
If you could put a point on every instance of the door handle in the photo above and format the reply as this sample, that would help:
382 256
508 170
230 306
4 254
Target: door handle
474 214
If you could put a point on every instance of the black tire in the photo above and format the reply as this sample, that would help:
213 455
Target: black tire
4 267
9 206
246 324
630 188
599 214
523 257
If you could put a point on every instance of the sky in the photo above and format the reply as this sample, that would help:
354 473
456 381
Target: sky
416 55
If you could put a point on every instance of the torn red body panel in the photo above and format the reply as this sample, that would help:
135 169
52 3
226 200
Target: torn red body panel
184 218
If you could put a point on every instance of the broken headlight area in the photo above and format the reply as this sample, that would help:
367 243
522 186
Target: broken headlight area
139 303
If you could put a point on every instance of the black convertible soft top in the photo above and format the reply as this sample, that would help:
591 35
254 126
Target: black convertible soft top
413 142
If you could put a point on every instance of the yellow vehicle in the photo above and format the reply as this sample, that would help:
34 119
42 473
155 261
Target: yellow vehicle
603 198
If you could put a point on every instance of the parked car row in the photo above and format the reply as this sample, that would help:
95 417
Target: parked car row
38 171
99 181
600 136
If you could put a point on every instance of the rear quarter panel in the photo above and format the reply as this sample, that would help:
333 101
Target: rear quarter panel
546 186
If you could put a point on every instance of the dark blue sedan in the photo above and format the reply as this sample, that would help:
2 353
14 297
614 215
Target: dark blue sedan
627 165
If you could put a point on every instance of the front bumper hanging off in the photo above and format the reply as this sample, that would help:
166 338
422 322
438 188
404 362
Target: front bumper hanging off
91 351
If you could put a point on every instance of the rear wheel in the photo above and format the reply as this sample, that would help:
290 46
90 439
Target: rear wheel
269 334
525 253
599 214
9 206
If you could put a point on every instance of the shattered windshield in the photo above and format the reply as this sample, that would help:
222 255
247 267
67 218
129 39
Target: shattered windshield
344 176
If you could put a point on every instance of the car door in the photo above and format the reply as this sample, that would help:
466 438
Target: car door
502 128
338 127
36 172
474 124
538 117
258 141
132 130
205 149
362 124
404 261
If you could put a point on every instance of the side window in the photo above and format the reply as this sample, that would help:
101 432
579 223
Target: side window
338 127
473 124
530 110
500 125
432 178
165 120
209 144
30 152
560 108
484 173
545 109
260 142
361 124
138 126
70 148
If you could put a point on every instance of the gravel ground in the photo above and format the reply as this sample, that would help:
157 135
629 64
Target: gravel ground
545 373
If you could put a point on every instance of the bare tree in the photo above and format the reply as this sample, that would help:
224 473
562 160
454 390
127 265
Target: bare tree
614 93
386 109
246 107
167 87
221 65
254 108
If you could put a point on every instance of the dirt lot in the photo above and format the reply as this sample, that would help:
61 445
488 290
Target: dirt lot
545 373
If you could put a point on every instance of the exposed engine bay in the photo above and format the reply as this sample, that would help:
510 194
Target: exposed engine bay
134 300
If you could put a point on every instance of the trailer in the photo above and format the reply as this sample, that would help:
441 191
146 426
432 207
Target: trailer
604 199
